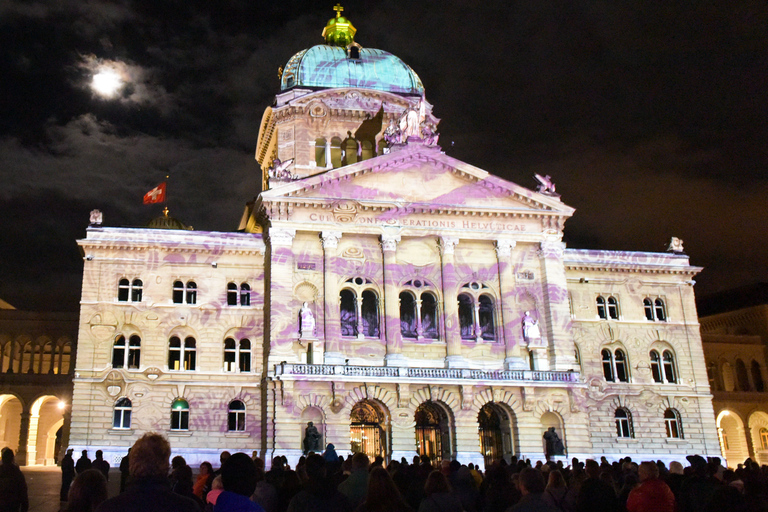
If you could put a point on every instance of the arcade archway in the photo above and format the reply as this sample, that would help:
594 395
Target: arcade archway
495 429
433 432
368 429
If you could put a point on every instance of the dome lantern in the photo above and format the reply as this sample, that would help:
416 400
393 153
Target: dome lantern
339 31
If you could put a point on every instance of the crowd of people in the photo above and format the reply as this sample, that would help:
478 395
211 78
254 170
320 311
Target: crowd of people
328 482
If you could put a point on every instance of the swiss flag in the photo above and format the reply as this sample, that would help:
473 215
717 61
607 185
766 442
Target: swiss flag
156 195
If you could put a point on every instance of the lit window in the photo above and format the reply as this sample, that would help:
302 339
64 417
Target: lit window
184 293
122 415
764 438
236 416
673 424
180 415
182 357
623 423
129 290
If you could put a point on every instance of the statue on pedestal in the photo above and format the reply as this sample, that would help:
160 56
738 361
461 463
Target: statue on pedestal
306 322
552 443
311 439
531 331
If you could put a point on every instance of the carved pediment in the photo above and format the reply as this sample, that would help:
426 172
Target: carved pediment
413 183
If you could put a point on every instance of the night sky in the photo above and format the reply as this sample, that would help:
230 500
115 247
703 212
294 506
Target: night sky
649 116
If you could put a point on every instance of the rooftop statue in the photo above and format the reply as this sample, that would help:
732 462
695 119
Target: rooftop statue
279 169
546 186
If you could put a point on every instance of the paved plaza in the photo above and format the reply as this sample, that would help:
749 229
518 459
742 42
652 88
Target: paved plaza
44 484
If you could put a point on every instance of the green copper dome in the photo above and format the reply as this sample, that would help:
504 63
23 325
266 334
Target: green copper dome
329 67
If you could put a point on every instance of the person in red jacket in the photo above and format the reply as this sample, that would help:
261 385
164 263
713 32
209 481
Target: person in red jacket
652 495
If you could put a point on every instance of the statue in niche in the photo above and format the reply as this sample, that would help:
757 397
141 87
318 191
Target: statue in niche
312 439
552 444
306 322
531 331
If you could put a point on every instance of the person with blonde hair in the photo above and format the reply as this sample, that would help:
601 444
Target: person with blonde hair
149 489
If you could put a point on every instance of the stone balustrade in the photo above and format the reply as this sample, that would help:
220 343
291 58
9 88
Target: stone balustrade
457 375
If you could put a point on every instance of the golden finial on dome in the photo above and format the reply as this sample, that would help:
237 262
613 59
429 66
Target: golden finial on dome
339 30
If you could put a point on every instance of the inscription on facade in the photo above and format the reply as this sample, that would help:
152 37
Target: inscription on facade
491 225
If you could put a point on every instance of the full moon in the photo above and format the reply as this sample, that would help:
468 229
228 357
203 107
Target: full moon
106 82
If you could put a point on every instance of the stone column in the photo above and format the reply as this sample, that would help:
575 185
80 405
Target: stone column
392 334
328 163
511 332
283 323
21 453
556 311
331 327
453 358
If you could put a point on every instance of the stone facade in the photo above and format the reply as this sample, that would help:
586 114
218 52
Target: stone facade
735 344
403 301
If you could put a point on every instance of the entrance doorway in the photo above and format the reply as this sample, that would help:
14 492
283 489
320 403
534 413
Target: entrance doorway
433 433
367 429
494 427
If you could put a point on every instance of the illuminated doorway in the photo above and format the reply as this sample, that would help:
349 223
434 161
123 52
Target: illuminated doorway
367 430
433 433
494 427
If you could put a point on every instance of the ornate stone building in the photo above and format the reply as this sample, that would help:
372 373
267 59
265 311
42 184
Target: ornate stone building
734 329
35 382
403 301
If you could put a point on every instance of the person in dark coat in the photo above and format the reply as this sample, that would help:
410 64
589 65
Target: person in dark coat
88 491
596 495
83 463
531 484
67 474
13 486
238 475
149 489
100 464
318 494
124 471
438 496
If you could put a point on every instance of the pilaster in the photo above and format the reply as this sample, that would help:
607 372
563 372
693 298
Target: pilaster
513 359
394 356
453 358
331 329
557 314
281 333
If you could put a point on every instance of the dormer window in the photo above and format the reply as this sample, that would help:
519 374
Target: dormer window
353 51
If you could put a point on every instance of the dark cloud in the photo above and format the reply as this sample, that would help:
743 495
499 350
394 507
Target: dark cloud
650 118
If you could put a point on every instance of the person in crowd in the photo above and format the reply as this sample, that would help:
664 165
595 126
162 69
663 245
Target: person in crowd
531 485
652 495
124 470
465 489
222 457
101 465
88 491
318 495
13 485
438 496
183 485
382 494
355 487
67 474
556 491
203 478
595 494
330 454
149 490
213 495
83 463
238 475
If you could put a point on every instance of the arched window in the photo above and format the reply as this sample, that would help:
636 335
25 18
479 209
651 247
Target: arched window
369 313
487 318
336 152
607 365
656 366
182 357
348 313
670 375
408 327
136 290
366 149
757 376
624 423
118 352
741 376
615 365
184 293
122 414
123 290
180 415
660 309
237 356
236 416
764 438
127 290
245 294
320 156
429 316
673 424
350 151
466 317
602 312
648 308
613 308
231 294
714 377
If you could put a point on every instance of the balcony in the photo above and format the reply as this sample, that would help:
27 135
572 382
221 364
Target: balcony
289 371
